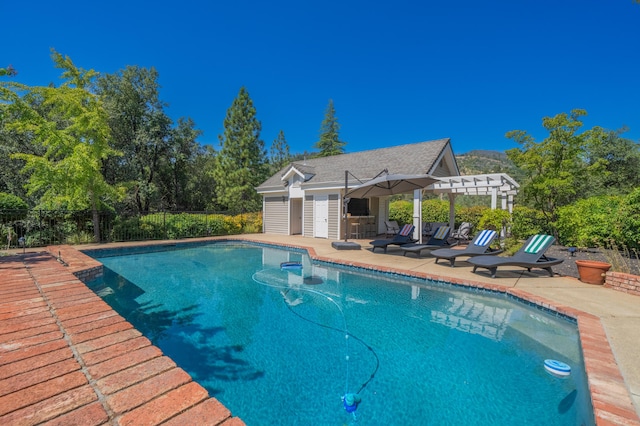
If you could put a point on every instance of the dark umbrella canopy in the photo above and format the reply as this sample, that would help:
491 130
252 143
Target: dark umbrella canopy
390 184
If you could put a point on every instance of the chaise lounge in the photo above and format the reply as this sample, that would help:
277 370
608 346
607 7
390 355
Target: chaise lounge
531 255
439 240
405 236
478 247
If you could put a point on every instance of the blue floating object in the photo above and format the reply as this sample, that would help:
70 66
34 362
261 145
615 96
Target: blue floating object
291 265
557 368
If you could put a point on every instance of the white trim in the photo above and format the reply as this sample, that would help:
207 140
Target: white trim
488 184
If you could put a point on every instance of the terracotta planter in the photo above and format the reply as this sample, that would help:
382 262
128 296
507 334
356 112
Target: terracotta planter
592 271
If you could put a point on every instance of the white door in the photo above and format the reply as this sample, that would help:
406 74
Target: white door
295 219
321 213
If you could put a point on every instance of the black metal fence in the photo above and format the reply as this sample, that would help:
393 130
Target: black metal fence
38 228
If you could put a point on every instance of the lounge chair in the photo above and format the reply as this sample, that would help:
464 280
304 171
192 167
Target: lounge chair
530 255
430 228
392 227
478 247
405 236
438 240
463 232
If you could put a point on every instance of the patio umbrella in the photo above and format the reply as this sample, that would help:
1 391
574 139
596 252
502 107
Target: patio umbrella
390 184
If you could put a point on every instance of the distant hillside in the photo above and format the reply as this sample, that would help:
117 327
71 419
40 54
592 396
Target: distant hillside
481 161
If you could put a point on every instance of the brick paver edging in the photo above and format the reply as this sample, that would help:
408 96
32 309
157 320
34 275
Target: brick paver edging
67 358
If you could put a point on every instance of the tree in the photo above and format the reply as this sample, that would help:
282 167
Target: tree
71 124
619 159
330 143
555 169
140 130
240 164
8 71
178 169
280 155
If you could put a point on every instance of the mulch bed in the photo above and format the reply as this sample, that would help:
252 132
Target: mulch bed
568 267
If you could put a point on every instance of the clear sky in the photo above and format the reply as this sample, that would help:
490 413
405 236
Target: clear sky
398 71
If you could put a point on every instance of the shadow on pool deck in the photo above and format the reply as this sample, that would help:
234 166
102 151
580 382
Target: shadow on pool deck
66 357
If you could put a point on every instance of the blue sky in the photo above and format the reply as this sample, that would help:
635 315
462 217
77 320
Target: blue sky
398 72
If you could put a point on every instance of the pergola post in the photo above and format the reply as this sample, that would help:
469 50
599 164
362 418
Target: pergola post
417 215
494 198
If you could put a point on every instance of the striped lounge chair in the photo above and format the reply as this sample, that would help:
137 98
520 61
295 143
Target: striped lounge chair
531 255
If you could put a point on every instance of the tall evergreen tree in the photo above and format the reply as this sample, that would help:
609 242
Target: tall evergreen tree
330 143
280 154
241 162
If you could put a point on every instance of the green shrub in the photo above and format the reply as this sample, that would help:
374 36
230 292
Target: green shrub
630 220
495 219
527 222
434 210
81 237
590 222
401 211
471 214
11 202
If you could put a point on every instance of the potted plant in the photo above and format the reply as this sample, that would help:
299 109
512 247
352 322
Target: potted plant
592 271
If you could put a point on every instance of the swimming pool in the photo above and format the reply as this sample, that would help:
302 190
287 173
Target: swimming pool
283 346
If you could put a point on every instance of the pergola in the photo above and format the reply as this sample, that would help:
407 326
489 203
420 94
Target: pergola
497 185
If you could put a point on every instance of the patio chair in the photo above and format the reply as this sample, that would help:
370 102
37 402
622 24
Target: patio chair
439 239
478 247
531 255
392 227
430 228
405 236
463 232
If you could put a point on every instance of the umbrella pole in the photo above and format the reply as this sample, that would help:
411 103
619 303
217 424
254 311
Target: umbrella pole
344 203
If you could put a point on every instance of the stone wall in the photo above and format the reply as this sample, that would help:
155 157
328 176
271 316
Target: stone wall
623 282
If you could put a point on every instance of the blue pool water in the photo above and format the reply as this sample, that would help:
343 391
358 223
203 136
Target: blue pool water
281 347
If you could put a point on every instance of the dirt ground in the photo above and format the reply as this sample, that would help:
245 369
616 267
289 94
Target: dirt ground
569 268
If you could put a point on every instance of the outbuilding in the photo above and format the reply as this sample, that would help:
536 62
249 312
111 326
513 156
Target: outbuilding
306 197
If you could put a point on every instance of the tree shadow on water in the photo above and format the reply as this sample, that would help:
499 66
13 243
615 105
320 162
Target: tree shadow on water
194 348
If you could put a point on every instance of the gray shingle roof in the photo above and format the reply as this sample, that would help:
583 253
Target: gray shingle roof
416 158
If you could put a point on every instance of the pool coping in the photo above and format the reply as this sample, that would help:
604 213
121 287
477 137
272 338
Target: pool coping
610 396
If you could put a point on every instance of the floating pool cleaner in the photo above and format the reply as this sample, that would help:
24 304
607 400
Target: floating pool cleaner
291 265
557 368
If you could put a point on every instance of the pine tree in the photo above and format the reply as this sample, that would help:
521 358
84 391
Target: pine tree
330 143
280 154
241 162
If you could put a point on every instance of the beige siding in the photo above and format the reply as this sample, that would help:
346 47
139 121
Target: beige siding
334 216
307 216
442 170
275 217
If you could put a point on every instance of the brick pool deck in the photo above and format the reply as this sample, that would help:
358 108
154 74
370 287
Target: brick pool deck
67 358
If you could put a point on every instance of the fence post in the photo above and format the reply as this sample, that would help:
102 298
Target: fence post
164 225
